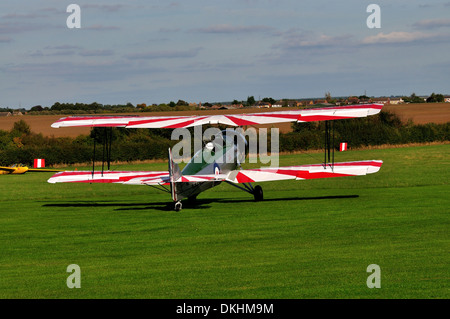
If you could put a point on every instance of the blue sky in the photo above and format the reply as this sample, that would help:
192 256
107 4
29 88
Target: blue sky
208 51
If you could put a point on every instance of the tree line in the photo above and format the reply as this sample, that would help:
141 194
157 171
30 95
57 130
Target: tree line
21 145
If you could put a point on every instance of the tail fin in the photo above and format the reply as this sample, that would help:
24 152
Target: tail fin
174 175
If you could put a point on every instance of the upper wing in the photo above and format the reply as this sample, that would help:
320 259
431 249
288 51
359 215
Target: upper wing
305 115
304 172
8 169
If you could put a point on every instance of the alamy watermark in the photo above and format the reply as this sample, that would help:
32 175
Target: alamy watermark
374 19
74 19
374 280
74 280
230 145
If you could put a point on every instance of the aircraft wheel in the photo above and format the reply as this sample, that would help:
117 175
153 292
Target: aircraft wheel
258 193
178 206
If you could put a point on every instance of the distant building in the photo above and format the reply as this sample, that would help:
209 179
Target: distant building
380 100
5 114
263 105
396 100
447 98
352 100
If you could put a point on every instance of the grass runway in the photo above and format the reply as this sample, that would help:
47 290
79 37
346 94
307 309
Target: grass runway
307 239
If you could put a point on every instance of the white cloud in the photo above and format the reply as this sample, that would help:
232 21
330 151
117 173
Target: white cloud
99 27
5 39
432 23
397 37
230 29
96 53
164 54
105 7
295 41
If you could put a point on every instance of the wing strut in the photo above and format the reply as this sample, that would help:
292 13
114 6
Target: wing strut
106 136
93 157
248 187
107 141
329 144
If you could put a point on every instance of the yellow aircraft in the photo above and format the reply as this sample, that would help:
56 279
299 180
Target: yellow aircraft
22 169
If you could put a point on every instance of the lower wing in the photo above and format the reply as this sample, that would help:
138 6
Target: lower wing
237 176
305 172
130 177
122 177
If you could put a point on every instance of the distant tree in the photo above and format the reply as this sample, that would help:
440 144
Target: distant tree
435 98
413 99
20 128
329 99
251 101
95 106
236 102
56 106
37 108
268 100
172 104
353 99
182 103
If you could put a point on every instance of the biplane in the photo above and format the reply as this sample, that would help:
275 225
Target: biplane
220 162
22 169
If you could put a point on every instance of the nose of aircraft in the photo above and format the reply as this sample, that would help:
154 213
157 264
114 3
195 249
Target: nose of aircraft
209 146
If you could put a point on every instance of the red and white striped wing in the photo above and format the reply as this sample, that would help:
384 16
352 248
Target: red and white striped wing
134 178
306 115
305 172
130 178
201 178
238 176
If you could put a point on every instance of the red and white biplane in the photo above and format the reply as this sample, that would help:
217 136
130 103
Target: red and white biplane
220 162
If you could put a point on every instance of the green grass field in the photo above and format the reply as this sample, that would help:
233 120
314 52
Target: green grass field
307 239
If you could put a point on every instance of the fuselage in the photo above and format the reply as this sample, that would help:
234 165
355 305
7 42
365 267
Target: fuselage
220 156
17 169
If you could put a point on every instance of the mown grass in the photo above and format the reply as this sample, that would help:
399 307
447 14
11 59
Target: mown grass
307 239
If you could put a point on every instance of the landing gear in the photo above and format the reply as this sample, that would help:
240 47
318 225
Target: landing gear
258 193
178 206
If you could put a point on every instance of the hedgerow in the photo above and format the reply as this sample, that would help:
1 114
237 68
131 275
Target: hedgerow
21 145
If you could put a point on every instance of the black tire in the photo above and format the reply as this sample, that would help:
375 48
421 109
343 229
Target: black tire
258 193
178 206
